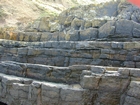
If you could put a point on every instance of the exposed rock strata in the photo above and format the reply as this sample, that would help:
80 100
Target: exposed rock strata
67 53
53 61
99 85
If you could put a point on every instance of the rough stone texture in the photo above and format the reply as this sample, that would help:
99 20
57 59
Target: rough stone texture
106 84
66 53
65 49
114 20
133 94
17 91
115 30
108 87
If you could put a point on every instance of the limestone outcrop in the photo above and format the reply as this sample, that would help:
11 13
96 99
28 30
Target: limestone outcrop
88 55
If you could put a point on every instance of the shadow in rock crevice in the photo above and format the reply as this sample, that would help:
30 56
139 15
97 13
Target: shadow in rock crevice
1 103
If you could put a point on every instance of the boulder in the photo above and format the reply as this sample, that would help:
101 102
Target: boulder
77 24
72 36
124 28
107 29
87 34
44 24
98 23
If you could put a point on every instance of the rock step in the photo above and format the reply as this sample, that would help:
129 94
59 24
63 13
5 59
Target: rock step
132 96
64 53
70 75
90 34
72 44
79 30
17 91
95 81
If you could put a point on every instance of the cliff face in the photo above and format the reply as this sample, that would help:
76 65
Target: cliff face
87 55
115 19
15 12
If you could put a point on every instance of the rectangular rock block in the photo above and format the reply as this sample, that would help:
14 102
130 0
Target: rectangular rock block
90 82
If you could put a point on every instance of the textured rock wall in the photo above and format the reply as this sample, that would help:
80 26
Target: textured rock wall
68 75
111 21
113 30
53 61
22 91
132 95
99 86
123 54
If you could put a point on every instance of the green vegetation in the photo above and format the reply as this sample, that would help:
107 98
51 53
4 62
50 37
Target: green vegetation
46 13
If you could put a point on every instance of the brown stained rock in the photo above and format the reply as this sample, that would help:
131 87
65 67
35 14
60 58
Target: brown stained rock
88 24
26 37
34 37
98 23
89 33
106 98
54 26
6 35
21 36
62 36
1 36
36 51
77 23
111 88
90 82
62 19
55 36
13 50
13 36
46 36
68 21
44 24
1 33
72 36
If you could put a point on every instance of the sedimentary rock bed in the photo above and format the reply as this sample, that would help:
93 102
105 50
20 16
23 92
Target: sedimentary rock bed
88 55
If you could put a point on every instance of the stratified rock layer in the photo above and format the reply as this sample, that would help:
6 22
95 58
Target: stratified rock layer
77 58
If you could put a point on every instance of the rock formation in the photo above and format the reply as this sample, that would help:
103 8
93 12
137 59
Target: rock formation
88 55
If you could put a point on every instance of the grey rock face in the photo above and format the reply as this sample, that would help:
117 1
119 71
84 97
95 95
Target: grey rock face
38 92
124 27
66 53
109 86
88 55
136 33
90 33
132 94
117 15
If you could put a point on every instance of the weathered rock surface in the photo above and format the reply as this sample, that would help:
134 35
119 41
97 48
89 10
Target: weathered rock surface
99 85
77 58
67 53
17 91
114 20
